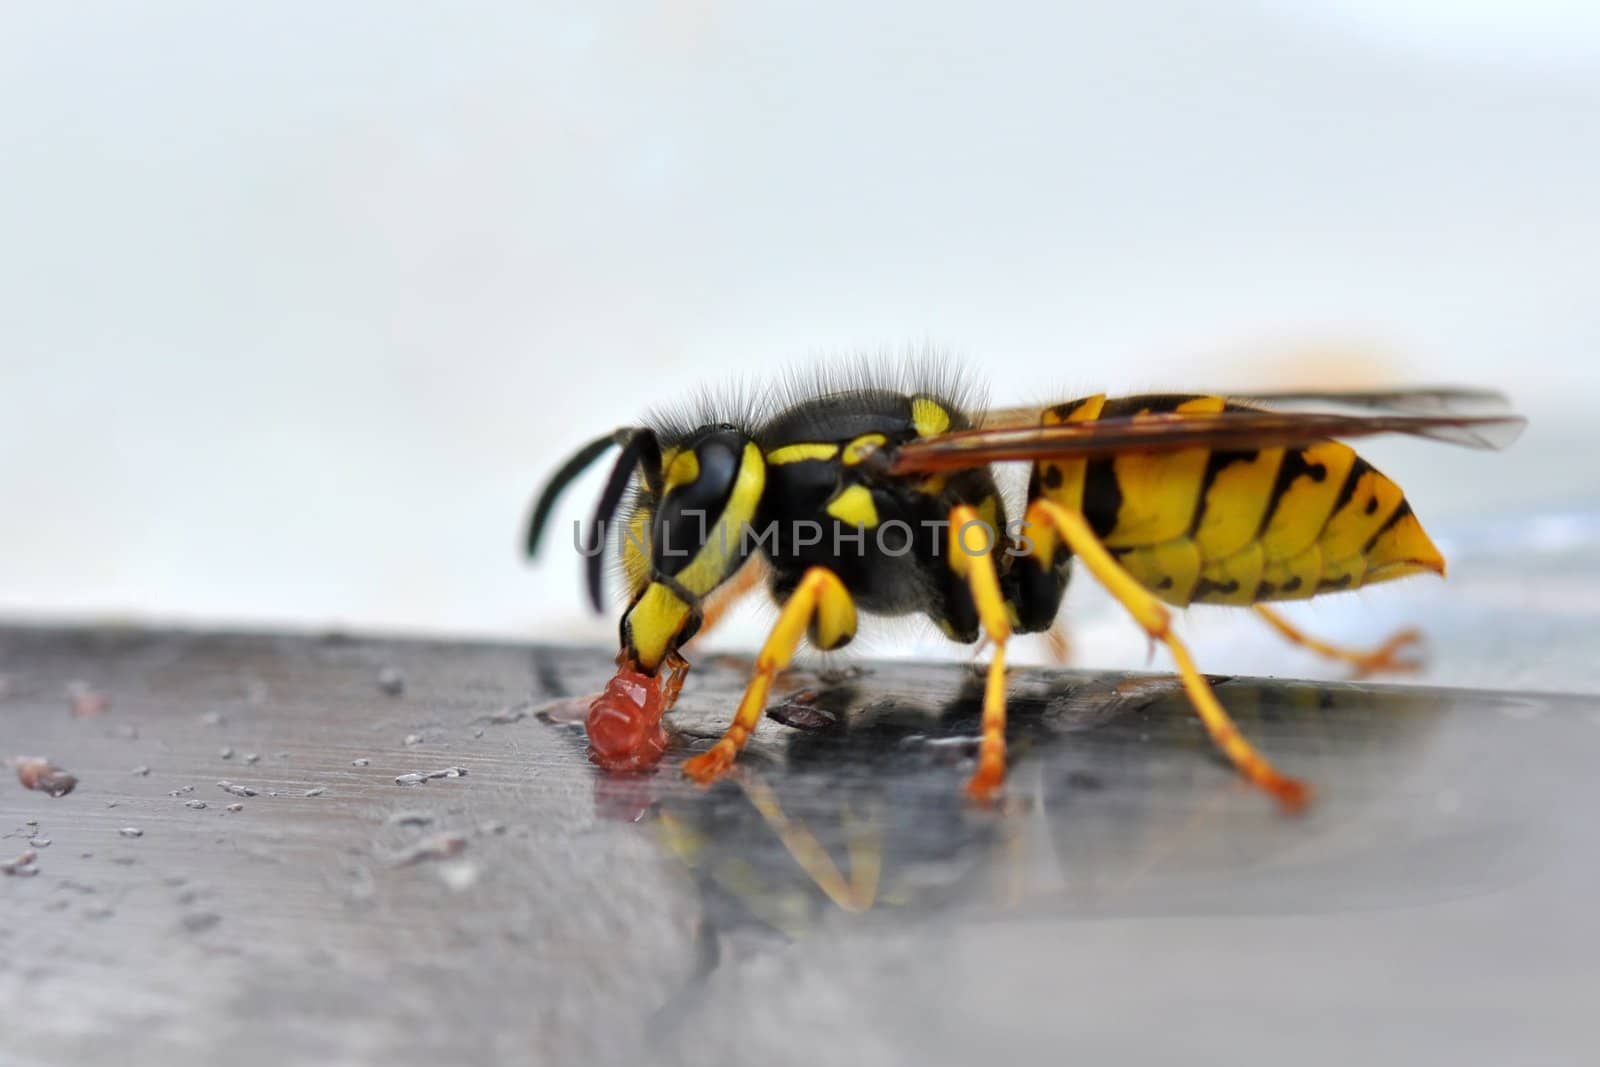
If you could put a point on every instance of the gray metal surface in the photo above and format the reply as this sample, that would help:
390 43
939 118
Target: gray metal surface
1131 902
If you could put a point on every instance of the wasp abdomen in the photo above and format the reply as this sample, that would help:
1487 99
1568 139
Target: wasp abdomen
1241 526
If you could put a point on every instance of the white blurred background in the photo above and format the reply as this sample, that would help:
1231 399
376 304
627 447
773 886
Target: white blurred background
300 302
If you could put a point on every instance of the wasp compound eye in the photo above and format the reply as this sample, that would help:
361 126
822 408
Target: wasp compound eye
699 482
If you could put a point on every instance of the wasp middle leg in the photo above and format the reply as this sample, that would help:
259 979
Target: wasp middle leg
976 566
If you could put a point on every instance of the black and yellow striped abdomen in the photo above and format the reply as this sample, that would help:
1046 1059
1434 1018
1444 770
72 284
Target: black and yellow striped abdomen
1238 527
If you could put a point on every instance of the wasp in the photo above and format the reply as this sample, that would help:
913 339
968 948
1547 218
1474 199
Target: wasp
874 492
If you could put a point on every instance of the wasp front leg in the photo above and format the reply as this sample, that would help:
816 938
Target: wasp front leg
727 596
821 605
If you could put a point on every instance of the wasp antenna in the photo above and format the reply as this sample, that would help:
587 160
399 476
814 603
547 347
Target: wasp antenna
576 465
639 447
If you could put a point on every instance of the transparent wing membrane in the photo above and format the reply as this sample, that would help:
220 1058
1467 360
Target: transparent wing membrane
1167 432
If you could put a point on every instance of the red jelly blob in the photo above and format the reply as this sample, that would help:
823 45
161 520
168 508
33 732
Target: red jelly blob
624 724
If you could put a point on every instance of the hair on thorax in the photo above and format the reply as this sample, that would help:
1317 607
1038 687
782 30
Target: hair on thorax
860 380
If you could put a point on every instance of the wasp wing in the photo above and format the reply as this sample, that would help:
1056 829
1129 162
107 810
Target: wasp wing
1416 400
1171 432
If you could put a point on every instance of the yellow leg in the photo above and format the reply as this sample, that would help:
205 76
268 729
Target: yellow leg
1365 661
819 596
975 563
1151 614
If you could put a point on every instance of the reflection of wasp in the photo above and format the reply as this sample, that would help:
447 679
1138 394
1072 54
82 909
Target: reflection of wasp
845 816
876 494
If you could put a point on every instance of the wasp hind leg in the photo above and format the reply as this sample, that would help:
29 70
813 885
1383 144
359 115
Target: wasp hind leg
1151 614
819 604
1380 660
977 568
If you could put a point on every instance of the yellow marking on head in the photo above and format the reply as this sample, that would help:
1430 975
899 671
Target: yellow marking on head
635 548
659 615
857 450
928 417
683 470
853 506
654 620
801 452
719 556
